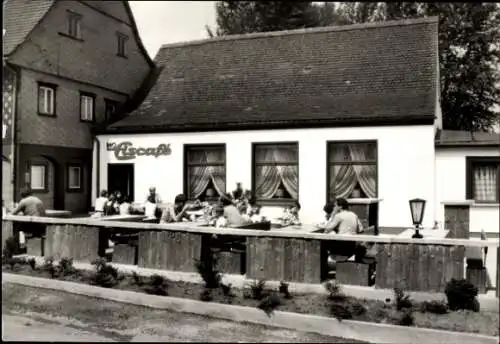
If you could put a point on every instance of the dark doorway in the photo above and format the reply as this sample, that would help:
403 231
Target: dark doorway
121 178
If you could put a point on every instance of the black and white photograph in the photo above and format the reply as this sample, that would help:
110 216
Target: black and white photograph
250 171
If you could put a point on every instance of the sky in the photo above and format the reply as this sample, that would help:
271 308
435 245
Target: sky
162 22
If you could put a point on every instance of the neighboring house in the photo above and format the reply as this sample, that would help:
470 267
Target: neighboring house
307 115
468 169
68 65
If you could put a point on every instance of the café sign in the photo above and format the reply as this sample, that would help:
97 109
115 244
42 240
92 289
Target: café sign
126 150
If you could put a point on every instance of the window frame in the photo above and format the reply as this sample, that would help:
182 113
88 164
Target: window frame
469 176
93 97
45 188
53 88
186 165
331 143
121 44
69 188
275 201
73 17
107 103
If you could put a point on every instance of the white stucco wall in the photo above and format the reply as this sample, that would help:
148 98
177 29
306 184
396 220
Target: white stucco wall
451 186
405 165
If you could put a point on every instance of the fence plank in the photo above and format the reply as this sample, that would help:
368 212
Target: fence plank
7 231
381 269
78 242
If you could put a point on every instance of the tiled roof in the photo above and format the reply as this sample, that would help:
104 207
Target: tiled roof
19 19
368 73
446 138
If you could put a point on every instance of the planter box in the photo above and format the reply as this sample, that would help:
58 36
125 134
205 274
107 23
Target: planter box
230 262
125 254
478 277
353 273
34 246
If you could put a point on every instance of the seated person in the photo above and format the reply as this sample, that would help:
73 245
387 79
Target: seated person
231 213
344 221
220 220
176 212
291 215
329 210
100 203
125 206
111 207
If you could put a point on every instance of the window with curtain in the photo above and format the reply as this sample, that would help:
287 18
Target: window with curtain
74 177
352 170
484 180
205 171
276 171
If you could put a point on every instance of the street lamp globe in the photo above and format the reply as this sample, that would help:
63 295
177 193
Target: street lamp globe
417 208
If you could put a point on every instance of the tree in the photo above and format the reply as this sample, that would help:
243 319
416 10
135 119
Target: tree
469 49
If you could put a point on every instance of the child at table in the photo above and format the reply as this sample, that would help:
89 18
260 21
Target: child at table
291 215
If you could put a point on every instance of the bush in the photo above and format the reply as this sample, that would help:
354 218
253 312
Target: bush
208 271
270 303
13 262
66 267
357 308
138 280
32 263
226 289
340 311
284 290
258 289
106 275
334 291
206 295
407 319
10 249
402 299
436 307
48 266
157 286
461 295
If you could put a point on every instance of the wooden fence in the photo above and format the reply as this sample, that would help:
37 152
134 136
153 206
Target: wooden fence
413 264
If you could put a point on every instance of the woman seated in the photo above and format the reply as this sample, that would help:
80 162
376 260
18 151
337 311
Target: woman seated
291 215
125 206
231 213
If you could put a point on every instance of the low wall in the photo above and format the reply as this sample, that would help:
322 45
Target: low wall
414 264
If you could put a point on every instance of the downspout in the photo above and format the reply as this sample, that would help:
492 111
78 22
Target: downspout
97 167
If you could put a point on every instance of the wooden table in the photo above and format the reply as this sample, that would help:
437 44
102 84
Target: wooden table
57 213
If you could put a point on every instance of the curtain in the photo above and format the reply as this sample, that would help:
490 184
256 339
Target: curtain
267 176
200 176
485 187
343 180
289 174
365 173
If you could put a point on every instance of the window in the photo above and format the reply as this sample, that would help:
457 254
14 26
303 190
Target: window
38 177
122 41
205 171
483 179
74 177
87 107
276 171
352 170
46 99
74 25
110 109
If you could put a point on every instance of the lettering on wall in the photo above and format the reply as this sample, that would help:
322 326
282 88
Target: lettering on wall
126 150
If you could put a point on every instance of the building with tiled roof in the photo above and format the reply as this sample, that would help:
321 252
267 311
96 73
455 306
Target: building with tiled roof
67 66
305 115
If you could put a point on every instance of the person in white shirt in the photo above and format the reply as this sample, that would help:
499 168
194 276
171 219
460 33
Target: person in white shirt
344 221
125 206
100 202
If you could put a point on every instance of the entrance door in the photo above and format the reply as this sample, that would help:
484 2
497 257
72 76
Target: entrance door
121 178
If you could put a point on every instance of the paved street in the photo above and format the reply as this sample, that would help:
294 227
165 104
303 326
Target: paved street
40 315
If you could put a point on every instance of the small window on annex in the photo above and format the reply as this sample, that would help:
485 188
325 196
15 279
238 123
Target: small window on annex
205 171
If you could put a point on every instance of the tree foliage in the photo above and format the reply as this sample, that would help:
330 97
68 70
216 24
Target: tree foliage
469 48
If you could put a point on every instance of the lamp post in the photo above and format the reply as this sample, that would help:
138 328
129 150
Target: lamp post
417 207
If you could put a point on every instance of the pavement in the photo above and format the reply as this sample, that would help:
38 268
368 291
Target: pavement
30 314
